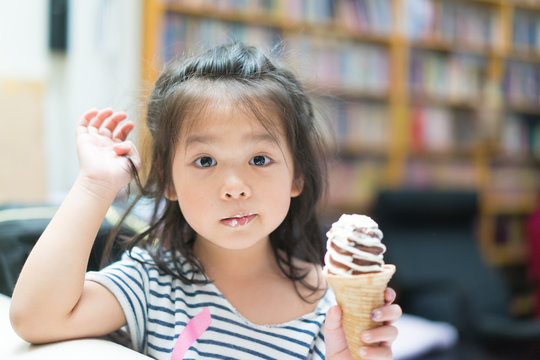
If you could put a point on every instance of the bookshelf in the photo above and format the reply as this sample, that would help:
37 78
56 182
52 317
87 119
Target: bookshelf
422 93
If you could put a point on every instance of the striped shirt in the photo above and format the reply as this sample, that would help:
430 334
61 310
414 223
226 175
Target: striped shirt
158 306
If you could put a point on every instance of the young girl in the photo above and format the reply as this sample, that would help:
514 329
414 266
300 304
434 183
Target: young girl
230 266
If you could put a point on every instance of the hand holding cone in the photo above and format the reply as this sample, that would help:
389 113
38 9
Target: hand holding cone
355 270
358 296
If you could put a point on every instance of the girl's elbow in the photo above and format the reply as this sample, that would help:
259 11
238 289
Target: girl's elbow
25 325
19 321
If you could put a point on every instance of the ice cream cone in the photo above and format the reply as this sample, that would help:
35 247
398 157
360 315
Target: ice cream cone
358 296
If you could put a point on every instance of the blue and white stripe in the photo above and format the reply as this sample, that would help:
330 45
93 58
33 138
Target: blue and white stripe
158 306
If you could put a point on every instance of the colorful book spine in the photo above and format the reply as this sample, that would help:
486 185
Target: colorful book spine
521 85
458 22
338 64
526 31
373 16
354 183
441 130
183 34
330 63
520 137
360 126
455 77
230 6
431 130
450 174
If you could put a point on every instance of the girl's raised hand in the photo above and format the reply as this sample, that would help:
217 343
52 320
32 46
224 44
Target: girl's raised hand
381 337
103 149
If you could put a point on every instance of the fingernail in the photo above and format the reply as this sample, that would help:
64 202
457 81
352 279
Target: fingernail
376 315
362 352
366 337
392 295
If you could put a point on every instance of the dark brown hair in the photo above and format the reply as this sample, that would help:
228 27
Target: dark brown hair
257 84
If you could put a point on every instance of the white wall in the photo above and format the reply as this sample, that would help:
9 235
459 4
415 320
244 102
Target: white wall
23 67
23 39
101 69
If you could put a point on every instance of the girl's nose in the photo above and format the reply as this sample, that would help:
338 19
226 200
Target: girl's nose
234 188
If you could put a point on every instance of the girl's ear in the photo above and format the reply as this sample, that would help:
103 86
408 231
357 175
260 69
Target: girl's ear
297 186
170 194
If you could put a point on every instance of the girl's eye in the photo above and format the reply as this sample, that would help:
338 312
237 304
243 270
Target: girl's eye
205 161
259 160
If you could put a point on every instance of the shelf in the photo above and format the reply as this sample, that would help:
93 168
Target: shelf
444 156
507 256
330 29
441 45
507 202
525 5
529 56
354 149
418 98
498 157
429 130
523 108
491 2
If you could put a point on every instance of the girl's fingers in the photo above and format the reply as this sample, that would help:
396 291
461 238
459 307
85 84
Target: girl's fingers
389 295
122 131
383 352
112 122
127 148
386 334
105 122
87 116
84 121
389 313
336 344
100 117
124 148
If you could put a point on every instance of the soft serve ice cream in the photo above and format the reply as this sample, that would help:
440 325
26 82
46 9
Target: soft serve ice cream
356 272
354 246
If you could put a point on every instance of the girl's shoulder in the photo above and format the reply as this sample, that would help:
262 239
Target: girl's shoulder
324 295
163 262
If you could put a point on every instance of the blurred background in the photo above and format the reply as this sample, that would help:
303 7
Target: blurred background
434 105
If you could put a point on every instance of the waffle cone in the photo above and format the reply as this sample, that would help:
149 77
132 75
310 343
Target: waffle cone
358 296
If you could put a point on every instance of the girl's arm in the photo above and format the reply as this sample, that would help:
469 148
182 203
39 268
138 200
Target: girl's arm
51 300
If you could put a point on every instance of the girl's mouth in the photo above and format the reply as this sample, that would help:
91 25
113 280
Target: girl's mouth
238 220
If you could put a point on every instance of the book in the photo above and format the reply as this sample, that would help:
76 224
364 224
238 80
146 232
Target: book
452 78
185 34
466 23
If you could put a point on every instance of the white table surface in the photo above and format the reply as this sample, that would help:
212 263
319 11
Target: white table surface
13 347
417 336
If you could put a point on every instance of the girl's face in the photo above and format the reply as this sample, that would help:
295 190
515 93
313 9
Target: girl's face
233 180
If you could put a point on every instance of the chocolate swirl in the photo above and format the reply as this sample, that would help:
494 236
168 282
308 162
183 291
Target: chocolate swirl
354 246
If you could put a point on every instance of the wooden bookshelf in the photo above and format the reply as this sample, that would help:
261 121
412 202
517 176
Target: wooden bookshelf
484 116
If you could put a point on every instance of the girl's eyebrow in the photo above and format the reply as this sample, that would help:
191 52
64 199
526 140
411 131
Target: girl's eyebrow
208 139
263 137
197 139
